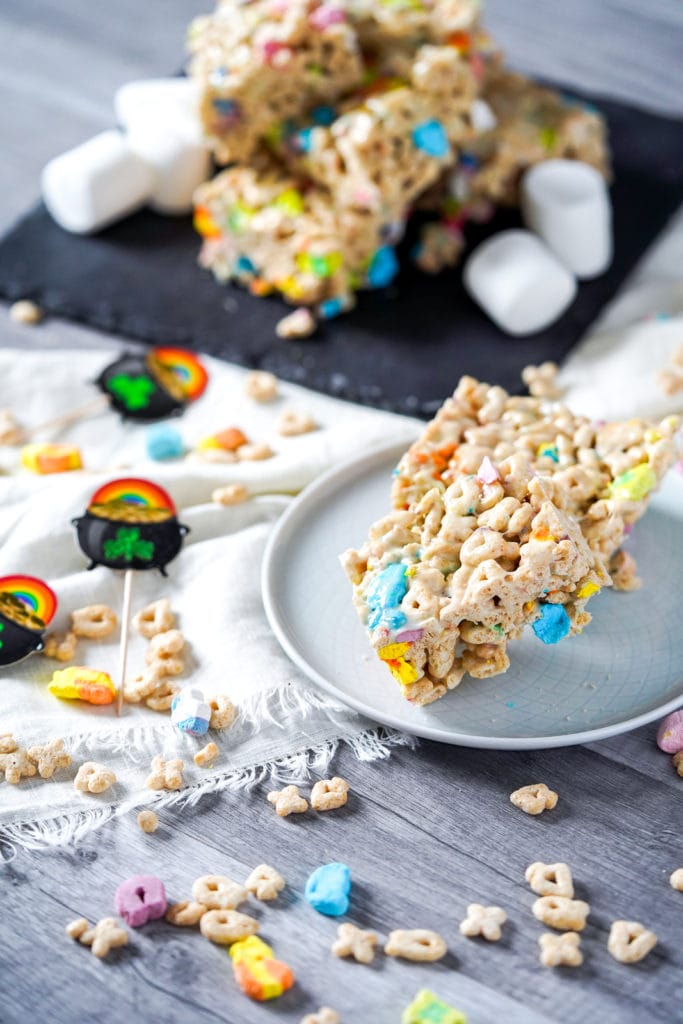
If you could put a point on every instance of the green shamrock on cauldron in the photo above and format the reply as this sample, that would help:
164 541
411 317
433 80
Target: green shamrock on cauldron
134 392
128 545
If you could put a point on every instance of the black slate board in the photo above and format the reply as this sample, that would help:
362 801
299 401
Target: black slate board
401 349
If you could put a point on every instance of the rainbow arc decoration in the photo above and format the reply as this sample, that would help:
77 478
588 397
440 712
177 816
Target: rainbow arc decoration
32 592
133 491
186 367
27 606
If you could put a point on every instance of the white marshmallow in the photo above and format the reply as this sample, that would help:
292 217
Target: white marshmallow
181 164
166 101
518 282
96 183
566 202
482 116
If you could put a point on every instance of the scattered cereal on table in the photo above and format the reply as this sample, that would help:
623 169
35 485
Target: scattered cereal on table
255 452
550 879
93 777
534 799
185 914
325 1015
629 941
561 913
16 766
154 618
560 950
288 801
299 324
223 712
226 926
8 744
25 312
49 757
231 494
61 646
205 757
426 1008
328 889
292 423
105 935
94 622
483 921
217 892
419 944
165 774
676 879
329 794
265 882
140 899
261 386
355 942
148 821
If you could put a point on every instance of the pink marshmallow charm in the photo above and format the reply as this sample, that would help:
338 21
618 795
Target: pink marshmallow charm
487 472
140 899
326 16
670 733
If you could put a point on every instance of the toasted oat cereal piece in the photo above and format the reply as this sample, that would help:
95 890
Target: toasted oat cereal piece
154 618
205 757
550 879
542 380
227 926
217 892
185 914
25 312
49 757
676 879
299 324
292 423
670 382
8 744
534 799
560 950
265 882
561 913
93 777
148 821
255 452
231 494
677 761
624 572
105 935
328 794
162 696
16 766
164 649
629 941
261 386
143 685
483 921
94 622
61 646
416 944
325 1015
223 712
355 942
288 801
10 432
165 774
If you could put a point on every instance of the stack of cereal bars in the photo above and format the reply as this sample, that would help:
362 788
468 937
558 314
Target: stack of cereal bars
339 118
507 511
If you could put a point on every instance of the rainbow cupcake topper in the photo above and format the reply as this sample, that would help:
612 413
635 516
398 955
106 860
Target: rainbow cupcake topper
187 369
155 384
27 606
134 493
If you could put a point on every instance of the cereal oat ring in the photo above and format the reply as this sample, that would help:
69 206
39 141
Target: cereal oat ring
561 913
25 312
355 942
560 950
49 757
676 879
185 914
165 774
154 618
677 761
105 935
142 686
163 650
288 801
629 941
17 765
205 757
484 921
328 794
255 452
93 777
148 821
292 423
8 744
542 380
261 386
231 494
265 882
218 892
163 695
93 622
227 926
61 646
416 944
550 879
223 712
299 324
534 799
325 1015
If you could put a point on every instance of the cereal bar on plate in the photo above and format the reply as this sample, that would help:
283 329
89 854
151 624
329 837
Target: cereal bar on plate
507 512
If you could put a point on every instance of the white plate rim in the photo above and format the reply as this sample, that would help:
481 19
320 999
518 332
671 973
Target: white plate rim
269 569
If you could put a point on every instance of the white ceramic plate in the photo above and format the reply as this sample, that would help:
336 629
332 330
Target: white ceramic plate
626 669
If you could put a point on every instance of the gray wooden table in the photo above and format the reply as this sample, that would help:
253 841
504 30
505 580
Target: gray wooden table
425 832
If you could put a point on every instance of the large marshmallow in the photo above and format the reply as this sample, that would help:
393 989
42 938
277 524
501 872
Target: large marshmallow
180 162
518 282
97 183
566 202
165 101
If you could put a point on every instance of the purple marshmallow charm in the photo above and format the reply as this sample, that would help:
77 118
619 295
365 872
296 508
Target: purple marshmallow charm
670 733
140 899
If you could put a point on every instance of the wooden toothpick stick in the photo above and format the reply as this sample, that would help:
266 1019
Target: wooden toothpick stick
125 630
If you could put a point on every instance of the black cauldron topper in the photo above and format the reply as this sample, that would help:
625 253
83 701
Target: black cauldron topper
130 524
153 385
27 606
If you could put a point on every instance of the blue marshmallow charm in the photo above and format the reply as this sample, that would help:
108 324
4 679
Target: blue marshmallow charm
553 624
328 889
190 713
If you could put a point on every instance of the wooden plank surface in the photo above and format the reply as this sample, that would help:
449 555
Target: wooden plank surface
425 832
